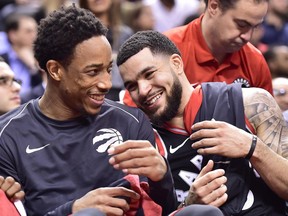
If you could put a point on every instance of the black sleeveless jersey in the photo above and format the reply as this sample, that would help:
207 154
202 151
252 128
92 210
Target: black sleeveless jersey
247 192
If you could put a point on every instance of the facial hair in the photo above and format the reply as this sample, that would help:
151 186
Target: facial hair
172 106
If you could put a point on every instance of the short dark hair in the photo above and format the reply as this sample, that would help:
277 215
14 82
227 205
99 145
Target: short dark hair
155 41
11 22
227 4
60 32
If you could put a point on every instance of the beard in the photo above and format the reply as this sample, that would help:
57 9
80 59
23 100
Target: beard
172 106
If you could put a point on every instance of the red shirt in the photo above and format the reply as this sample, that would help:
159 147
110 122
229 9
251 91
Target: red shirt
246 65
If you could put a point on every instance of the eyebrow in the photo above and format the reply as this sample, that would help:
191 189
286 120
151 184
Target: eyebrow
97 65
5 76
248 23
141 72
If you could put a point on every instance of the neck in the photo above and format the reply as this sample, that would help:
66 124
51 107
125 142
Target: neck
52 106
104 18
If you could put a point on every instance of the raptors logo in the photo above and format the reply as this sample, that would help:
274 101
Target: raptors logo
245 83
106 137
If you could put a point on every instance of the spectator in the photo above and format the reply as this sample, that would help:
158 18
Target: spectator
215 46
152 71
21 33
9 3
31 8
220 50
280 89
171 13
58 147
108 11
138 16
276 57
10 99
276 23
9 88
51 5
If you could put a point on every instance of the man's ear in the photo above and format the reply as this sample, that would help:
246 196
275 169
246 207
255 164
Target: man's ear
177 63
12 35
55 69
213 7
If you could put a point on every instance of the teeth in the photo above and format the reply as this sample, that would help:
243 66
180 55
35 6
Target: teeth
95 97
153 100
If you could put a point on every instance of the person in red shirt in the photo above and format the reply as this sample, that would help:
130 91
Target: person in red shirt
215 46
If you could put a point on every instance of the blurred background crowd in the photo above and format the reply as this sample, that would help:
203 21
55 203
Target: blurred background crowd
19 19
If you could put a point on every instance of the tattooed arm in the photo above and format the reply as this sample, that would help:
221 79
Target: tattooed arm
266 117
270 158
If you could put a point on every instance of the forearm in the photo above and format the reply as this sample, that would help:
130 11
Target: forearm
163 193
65 209
272 168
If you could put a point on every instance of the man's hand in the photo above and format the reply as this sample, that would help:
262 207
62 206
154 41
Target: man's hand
11 188
109 200
208 188
139 158
220 138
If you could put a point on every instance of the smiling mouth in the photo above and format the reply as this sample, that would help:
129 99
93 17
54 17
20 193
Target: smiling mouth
97 97
153 99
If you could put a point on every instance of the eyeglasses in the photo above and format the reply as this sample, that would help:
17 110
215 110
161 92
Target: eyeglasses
279 92
8 81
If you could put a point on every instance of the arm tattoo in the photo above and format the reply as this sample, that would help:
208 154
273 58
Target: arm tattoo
266 117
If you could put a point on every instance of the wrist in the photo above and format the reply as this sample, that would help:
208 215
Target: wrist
252 147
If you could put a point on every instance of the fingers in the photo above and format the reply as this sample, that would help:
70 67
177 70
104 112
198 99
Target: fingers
206 169
1 180
17 196
11 188
210 181
220 200
205 124
208 129
7 183
129 144
138 157
122 191
209 187
112 201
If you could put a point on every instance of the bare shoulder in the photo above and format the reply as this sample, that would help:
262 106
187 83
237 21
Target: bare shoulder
265 116
257 100
256 94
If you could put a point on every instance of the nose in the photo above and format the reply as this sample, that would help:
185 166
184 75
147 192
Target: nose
16 86
246 36
105 82
143 88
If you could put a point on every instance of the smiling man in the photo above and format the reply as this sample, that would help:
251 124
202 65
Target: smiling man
240 129
72 149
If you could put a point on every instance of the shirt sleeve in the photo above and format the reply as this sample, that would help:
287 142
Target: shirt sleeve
162 192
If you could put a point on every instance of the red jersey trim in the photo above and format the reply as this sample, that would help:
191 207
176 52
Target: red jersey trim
192 108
